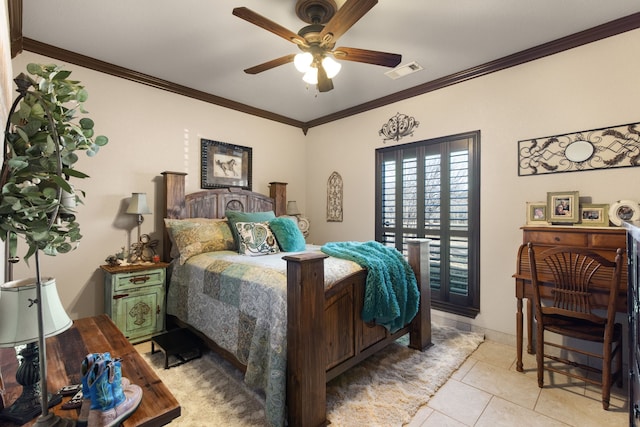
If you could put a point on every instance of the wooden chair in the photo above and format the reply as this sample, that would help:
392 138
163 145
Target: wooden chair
570 272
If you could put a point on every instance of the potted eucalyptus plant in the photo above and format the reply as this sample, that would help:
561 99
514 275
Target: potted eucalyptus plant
42 138
43 135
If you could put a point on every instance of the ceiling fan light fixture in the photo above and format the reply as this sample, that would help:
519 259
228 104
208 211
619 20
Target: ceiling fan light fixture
311 76
331 66
327 23
303 61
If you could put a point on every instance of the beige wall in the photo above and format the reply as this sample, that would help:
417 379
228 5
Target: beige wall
586 88
151 131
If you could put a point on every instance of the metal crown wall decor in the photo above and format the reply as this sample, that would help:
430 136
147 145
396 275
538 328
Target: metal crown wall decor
397 127
612 147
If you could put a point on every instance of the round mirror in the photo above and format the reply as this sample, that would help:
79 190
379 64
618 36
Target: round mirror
579 151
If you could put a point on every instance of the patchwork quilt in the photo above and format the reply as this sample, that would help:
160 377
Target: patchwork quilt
240 303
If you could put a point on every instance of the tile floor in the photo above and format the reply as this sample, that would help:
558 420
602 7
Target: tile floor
488 391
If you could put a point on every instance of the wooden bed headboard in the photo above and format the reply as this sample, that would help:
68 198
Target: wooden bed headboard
214 203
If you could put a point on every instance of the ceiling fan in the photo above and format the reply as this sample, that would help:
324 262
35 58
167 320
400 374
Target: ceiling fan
317 40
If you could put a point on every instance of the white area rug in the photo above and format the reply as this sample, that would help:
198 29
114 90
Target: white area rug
385 390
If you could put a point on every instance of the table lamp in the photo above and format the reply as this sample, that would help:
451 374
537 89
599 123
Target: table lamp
292 208
20 323
138 206
301 220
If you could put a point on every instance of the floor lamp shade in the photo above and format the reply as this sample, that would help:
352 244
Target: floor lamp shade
19 316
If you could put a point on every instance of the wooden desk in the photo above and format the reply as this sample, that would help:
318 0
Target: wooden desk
64 355
604 240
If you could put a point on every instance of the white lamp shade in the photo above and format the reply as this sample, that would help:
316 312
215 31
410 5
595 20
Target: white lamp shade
19 315
311 76
292 208
331 66
138 204
303 61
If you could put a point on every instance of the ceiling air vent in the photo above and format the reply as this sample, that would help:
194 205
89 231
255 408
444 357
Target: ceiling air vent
404 70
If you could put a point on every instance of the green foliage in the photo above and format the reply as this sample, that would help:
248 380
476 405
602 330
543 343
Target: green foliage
40 153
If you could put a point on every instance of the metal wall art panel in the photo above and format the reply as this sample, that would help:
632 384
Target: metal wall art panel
612 147
335 187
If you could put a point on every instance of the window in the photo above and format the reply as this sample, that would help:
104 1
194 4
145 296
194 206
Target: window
431 189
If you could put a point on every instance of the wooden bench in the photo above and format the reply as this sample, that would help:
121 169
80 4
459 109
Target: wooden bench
64 355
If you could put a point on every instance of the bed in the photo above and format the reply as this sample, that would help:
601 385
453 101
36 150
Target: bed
324 334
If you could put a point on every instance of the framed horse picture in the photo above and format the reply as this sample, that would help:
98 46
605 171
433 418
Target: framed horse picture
225 165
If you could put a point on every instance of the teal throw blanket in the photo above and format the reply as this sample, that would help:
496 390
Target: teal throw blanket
391 291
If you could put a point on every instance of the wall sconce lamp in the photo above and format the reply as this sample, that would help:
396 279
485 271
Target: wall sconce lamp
138 206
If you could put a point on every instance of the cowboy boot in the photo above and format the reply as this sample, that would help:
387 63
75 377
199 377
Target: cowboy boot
110 403
118 384
86 365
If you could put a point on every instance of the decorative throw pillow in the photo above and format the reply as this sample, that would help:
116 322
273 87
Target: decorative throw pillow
288 235
256 238
194 236
236 216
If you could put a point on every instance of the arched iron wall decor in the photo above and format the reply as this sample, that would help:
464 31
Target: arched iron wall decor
397 127
334 198
612 147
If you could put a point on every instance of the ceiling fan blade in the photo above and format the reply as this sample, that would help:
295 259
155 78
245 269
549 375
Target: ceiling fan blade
345 17
270 64
367 56
324 83
262 22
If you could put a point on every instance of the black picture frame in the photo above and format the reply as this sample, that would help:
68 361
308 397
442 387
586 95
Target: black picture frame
225 165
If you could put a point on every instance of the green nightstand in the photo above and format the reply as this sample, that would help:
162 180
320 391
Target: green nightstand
134 298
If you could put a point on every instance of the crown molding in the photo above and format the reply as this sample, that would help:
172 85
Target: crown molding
612 28
600 32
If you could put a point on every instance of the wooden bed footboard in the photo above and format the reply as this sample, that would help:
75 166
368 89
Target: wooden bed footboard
326 336
325 332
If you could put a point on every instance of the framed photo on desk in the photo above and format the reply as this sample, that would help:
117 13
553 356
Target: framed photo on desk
537 213
594 215
563 207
